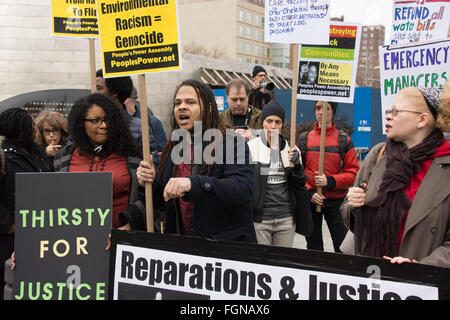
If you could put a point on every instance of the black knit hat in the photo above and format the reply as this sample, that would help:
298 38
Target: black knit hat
273 109
258 69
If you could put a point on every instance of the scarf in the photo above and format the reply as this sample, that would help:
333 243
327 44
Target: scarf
380 219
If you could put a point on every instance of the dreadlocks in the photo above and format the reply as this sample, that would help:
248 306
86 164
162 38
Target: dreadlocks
210 120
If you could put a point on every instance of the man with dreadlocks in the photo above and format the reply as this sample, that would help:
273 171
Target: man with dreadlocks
203 198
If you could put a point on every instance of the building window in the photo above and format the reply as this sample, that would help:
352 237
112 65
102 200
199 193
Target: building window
256 50
241 47
256 34
249 18
241 31
241 15
256 20
268 52
248 48
240 59
248 60
262 51
248 32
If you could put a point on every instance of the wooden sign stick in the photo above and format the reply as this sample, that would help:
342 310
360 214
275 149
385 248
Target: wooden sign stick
146 151
294 97
323 132
92 64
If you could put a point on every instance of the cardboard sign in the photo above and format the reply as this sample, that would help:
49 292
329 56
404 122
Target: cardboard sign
299 21
328 72
421 20
422 65
74 18
161 266
62 226
138 36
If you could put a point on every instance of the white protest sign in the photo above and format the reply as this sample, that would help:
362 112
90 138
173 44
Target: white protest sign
171 275
415 21
297 21
421 65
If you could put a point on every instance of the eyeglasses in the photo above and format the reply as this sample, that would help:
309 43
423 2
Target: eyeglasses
47 132
96 121
394 111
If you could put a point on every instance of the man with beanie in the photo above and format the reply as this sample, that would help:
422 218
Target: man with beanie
241 117
339 172
259 96
280 204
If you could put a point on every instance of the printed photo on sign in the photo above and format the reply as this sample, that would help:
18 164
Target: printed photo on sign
418 21
74 18
138 37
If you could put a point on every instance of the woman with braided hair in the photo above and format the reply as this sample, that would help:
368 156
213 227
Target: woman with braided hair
401 201
21 154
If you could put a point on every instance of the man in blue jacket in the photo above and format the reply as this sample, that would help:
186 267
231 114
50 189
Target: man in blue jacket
208 192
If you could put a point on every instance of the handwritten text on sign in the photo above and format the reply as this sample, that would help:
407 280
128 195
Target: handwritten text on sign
420 21
297 21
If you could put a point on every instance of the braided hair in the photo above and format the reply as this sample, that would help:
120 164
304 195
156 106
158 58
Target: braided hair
17 126
210 120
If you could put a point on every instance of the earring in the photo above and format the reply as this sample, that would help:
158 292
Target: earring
419 126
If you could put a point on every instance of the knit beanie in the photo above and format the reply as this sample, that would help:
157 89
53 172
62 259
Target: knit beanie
273 109
258 69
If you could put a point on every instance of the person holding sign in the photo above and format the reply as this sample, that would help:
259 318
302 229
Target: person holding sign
340 169
401 200
208 192
21 154
280 202
102 142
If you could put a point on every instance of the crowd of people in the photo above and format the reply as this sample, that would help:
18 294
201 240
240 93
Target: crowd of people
395 206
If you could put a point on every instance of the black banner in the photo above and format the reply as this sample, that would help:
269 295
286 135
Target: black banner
75 26
160 266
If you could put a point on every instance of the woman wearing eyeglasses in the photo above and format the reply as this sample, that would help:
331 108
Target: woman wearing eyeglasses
401 200
102 142
51 131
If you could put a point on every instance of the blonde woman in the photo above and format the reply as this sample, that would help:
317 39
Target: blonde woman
401 209
52 133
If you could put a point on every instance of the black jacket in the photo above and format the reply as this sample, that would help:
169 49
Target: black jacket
16 161
222 200
296 180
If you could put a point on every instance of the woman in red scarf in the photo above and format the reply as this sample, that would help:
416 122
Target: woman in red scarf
402 209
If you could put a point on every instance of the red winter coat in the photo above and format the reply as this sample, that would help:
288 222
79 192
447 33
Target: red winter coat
332 161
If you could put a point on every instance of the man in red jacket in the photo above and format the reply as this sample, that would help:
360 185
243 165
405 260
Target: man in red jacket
340 169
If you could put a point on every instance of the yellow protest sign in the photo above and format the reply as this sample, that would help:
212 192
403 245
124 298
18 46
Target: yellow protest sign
138 36
74 18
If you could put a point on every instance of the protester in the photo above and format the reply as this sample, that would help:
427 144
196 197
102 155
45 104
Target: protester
340 169
133 108
21 154
241 117
280 200
208 198
51 131
102 142
401 203
119 89
259 95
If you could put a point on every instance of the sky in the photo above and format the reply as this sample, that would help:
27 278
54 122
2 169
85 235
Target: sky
366 12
